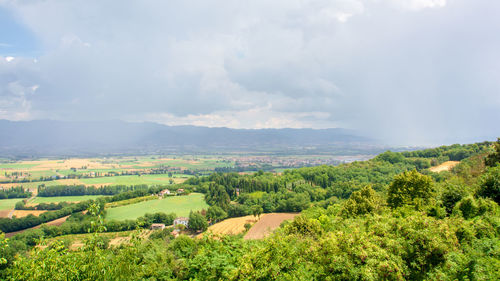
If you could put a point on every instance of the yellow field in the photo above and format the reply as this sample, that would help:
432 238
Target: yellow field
24 213
446 166
43 165
232 225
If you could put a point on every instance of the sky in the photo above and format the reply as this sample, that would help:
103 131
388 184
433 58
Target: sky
414 72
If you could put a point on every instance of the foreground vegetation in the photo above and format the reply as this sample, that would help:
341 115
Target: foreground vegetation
388 218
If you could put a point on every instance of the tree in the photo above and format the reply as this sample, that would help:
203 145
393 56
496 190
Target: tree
217 196
490 185
409 188
215 213
361 202
197 222
494 158
391 157
257 210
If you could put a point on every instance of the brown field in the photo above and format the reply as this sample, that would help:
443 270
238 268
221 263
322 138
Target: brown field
232 225
446 166
67 164
70 182
24 213
4 213
267 224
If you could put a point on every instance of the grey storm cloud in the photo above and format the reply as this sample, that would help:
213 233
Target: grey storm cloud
405 71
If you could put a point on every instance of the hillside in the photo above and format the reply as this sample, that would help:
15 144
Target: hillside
387 218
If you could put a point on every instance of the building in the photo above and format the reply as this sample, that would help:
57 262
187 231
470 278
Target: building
164 192
181 220
180 191
157 226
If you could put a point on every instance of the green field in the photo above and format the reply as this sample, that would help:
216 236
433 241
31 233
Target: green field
56 199
17 166
7 204
181 205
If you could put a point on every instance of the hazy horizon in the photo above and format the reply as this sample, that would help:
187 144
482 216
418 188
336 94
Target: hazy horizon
408 72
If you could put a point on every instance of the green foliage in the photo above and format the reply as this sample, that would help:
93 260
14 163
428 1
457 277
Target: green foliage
217 196
216 213
165 233
391 157
257 210
197 222
409 188
470 207
361 202
453 191
3 247
494 158
490 184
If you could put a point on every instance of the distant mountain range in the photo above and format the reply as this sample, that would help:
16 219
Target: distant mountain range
63 138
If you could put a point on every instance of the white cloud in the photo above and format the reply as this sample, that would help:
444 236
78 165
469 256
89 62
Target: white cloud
399 69
417 5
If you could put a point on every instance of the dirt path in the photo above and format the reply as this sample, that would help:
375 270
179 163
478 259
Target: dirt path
267 224
11 213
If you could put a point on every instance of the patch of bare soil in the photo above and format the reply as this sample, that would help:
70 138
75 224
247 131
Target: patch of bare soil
267 224
446 166
4 213
24 213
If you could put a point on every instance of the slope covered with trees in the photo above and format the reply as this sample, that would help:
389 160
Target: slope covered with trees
384 219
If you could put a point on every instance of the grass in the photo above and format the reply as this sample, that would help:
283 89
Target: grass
7 204
39 200
180 205
17 165
130 201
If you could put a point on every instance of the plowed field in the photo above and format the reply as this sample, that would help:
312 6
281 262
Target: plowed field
267 224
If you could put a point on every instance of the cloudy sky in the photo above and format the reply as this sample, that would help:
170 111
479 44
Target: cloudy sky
404 71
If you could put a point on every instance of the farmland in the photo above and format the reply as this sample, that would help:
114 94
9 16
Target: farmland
180 205
23 213
232 225
105 171
133 180
39 200
7 204
267 224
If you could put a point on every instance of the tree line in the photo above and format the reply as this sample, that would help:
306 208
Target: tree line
15 192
